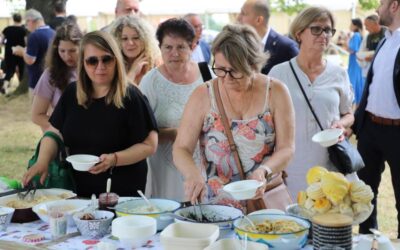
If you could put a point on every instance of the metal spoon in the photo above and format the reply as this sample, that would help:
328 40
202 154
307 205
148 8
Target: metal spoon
151 206
253 226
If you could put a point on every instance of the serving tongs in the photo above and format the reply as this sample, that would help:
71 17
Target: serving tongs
375 243
30 190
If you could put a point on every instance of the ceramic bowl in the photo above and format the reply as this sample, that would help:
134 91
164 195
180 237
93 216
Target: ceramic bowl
222 216
243 190
287 241
327 137
138 207
183 236
83 162
226 244
96 228
365 242
6 214
134 230
69 207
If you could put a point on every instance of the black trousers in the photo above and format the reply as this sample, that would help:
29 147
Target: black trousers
377 144
10 64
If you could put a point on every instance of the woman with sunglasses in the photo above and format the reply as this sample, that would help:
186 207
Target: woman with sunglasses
138 45
103 115
168 88
326 85
260 113
62 58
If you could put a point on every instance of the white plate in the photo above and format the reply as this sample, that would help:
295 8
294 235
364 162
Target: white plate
83 162
327 137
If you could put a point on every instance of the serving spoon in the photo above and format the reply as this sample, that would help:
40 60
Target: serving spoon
151 206
377 234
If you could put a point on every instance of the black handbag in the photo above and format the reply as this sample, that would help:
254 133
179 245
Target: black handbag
343 155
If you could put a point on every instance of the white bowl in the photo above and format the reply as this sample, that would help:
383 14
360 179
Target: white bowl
69 207
287 241
184 236
6 214
96 228
243 190
163 217
83 162
365 242
229 244
327 137
134 230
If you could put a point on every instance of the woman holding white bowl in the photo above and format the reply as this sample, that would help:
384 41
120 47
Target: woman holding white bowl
326 85
105 116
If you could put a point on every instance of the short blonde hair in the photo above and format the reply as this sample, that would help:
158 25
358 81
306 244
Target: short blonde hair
117 92
242 47
146 35
308 16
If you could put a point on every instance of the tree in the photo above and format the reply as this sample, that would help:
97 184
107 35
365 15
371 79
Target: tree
368 4
288 6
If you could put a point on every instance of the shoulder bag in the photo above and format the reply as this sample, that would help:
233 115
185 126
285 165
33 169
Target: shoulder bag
343 155
60 172
205 71
276 194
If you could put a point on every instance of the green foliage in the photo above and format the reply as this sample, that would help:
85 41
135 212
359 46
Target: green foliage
368 4
289 7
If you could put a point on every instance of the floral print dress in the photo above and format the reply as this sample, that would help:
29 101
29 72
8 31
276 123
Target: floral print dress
255 140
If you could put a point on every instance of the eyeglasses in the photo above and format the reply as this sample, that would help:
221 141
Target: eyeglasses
94 60
222 73
317 30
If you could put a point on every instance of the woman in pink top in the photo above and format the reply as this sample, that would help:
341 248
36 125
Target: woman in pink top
61 61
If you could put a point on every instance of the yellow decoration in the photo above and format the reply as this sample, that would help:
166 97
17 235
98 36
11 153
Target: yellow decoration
314 174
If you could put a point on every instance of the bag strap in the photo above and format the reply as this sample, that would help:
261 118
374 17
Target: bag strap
205 71
57 139
227 129
305 96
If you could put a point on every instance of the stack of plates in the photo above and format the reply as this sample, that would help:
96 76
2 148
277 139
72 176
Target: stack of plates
332 229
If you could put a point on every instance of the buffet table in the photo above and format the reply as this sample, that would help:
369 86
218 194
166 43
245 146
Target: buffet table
12 239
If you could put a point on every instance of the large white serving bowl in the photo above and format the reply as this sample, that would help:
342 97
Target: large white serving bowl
6 214
163 216
134 230
69 207
327 137
83 162
185 236
243 190
287 241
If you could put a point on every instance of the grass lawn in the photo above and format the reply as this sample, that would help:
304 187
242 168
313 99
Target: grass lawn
18 138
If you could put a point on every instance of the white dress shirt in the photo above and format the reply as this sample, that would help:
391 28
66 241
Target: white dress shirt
382 99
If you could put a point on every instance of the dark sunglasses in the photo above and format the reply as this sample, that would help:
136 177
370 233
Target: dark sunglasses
94 60
317 30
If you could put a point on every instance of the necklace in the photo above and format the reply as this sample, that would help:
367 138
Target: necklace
247 101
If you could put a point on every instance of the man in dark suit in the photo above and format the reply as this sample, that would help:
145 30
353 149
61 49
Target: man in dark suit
280 48
201 49
377 123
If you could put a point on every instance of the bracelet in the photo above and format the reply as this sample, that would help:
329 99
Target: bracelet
115 162
268 172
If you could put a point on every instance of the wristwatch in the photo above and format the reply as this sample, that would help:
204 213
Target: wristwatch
268 172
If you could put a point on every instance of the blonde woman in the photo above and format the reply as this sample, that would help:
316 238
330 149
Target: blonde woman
102 115
138 45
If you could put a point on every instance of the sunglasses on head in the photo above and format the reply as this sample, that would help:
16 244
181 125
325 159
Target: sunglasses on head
94 60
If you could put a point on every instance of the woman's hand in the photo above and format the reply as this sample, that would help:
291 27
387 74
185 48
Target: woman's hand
137 67
195 188
36 169
339 125
259 175
106 162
